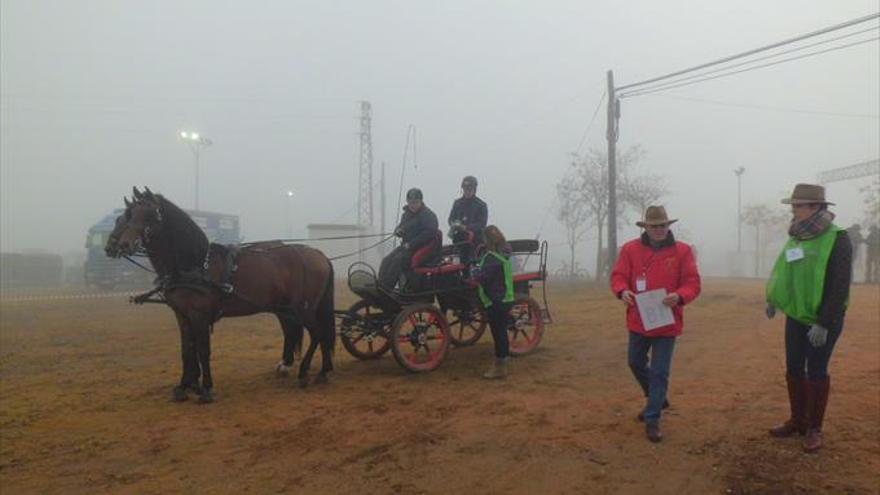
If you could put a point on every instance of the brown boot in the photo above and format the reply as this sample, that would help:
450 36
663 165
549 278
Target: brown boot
817 399
797 422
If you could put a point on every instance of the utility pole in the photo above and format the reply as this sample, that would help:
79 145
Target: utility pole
365 174
739 172
382 207
611 134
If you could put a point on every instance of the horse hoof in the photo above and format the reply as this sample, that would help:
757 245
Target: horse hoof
303 382
282 369
179 394
321 379
206 396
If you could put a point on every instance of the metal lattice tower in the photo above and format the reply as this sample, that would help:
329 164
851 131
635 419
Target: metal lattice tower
864 169
365 177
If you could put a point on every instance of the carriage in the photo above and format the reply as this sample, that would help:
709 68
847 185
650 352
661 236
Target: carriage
438 306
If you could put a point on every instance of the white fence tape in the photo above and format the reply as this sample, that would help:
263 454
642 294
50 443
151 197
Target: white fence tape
63 297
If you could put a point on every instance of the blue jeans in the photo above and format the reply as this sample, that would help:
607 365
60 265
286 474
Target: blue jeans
653 378
800 354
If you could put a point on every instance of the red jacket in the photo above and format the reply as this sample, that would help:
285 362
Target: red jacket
672 267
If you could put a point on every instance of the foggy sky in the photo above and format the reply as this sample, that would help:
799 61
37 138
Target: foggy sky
93 94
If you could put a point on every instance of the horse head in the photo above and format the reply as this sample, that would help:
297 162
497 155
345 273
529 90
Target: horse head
133 229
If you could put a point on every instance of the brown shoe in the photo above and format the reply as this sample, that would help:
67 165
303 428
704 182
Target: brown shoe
797 422
641 416
652 431
817 399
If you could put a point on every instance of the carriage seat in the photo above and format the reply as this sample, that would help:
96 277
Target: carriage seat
427 253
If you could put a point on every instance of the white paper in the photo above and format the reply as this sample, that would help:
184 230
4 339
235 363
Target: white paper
654 313
794 254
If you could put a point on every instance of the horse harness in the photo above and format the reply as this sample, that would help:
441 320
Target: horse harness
199 280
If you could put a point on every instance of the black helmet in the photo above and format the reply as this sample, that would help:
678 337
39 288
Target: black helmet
469 181
414 193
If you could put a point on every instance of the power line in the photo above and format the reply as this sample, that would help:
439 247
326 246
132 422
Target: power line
756 50
773 108
748 62
819 52
590 125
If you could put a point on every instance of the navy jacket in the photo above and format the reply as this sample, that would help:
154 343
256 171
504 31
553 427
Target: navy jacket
418 228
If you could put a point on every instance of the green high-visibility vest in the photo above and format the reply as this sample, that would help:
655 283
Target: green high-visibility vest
796 287
508 279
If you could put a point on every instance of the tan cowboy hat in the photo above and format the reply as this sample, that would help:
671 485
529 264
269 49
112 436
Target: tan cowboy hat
806 194
656 215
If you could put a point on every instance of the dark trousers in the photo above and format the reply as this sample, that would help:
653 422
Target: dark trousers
465 249
498 315
393 265
800 354
653 378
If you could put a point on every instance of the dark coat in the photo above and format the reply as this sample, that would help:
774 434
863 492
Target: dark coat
419 228
838 275
472 213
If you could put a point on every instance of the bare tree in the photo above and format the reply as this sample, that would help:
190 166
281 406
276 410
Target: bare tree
589 174
640 192
872 202
769 220
574 214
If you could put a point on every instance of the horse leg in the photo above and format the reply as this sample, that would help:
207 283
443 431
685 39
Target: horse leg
306 361
202 332
292 341
189 378
325 317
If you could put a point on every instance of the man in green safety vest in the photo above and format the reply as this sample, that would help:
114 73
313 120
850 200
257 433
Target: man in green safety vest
810 284
494 273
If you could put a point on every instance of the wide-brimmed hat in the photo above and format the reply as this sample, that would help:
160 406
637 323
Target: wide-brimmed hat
656 215
807 194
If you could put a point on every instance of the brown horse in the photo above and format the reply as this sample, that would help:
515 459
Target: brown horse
204 282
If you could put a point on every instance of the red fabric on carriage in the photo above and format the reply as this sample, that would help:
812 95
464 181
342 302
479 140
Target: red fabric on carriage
422 254
438 270
523 277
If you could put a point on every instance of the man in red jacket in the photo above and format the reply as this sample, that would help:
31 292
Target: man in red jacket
654 261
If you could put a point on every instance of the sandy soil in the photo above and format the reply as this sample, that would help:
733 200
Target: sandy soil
85 387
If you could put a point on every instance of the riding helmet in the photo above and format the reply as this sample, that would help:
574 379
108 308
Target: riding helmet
414 193
469 181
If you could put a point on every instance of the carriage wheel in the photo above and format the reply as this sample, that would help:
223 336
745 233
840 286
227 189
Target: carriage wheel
361 337
420 337
466 327
525 325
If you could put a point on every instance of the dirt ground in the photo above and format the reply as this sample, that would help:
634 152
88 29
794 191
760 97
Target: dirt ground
85 407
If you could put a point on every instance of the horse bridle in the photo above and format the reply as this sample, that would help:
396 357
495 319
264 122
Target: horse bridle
145 234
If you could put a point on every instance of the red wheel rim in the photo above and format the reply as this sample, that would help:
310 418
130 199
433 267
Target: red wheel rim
422 339
467 329
526 326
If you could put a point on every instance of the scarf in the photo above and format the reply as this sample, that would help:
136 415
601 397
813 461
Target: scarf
811 227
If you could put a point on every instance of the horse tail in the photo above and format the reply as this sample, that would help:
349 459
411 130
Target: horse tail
326 313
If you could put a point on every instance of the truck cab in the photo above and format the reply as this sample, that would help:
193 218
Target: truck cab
105 273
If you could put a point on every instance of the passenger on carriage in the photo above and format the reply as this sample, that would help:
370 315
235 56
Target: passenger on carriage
468 219
420 241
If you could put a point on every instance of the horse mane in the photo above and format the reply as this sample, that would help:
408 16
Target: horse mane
186 240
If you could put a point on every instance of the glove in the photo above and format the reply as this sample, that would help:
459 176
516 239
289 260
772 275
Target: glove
398 232
770 311
817 335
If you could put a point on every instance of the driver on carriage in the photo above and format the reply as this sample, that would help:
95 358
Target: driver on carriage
468 219
420 240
